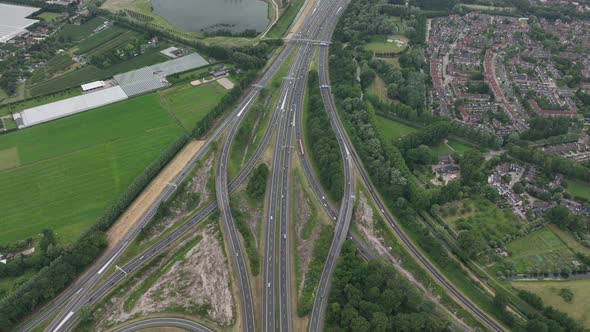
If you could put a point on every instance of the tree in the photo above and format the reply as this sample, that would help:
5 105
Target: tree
471 167
501 300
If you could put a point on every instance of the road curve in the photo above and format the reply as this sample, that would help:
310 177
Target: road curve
180 323
328 102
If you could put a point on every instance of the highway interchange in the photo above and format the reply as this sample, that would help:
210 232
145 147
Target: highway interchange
287 116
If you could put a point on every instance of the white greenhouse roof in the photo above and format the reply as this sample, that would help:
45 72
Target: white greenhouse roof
92 85
13 21
152 78
66 107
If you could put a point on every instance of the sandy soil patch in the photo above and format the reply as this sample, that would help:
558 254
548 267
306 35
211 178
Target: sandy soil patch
151 193
200 278
226 83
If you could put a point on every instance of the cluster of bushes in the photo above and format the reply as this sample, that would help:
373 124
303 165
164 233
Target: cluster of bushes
551 164
324 149
241 222
547 318
321 249
257 184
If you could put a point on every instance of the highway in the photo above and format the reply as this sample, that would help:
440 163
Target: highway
329 105
74 296
151 323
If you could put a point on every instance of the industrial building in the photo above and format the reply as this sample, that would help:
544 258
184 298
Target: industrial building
13 21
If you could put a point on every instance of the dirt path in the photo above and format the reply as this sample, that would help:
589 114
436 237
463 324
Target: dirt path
151 193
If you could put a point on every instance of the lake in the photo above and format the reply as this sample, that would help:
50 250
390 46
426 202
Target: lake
212 15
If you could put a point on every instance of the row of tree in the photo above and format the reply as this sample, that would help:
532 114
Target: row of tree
323 146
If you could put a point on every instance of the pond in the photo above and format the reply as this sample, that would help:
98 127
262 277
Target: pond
212 15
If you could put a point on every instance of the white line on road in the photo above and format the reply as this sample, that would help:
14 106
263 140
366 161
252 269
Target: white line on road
68 316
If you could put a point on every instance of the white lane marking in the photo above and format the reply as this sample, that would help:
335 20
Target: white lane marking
284 101
104 267
243 108
338 9
68 316
346 148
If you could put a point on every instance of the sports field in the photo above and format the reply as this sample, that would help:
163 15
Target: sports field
190 104
578 308
387 44
66 172
391 129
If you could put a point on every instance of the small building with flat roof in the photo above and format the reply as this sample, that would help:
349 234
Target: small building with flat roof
93 86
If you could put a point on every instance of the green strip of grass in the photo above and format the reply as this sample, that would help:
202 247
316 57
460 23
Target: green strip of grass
285 20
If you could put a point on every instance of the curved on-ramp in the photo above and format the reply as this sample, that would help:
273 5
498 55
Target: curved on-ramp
180 323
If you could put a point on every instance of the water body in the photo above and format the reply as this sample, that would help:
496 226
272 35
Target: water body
212 15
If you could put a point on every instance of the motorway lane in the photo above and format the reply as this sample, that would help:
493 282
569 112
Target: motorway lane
345 213
328 103
151 323
77 292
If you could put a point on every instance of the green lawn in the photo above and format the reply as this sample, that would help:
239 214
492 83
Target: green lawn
190 104
441 149
391 129
578 188
578 308
48 16
459 146
285 20
387 44
72 169
541 250
378 89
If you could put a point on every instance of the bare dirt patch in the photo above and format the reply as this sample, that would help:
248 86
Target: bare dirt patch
199 280
151 193
304 246
184 202
226 83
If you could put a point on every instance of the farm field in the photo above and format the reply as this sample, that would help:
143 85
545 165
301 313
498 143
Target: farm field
387 44
100 39
91 73
578 308
67 172
540 250
190 104
484 219
391 129
578 188
78 32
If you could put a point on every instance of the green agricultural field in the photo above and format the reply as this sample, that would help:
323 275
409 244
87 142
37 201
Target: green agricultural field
91 73
78 32
99 39
484 8
391 129
73 168
190 104
578 308
578 189
541 250
59 63
387 44
482 217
